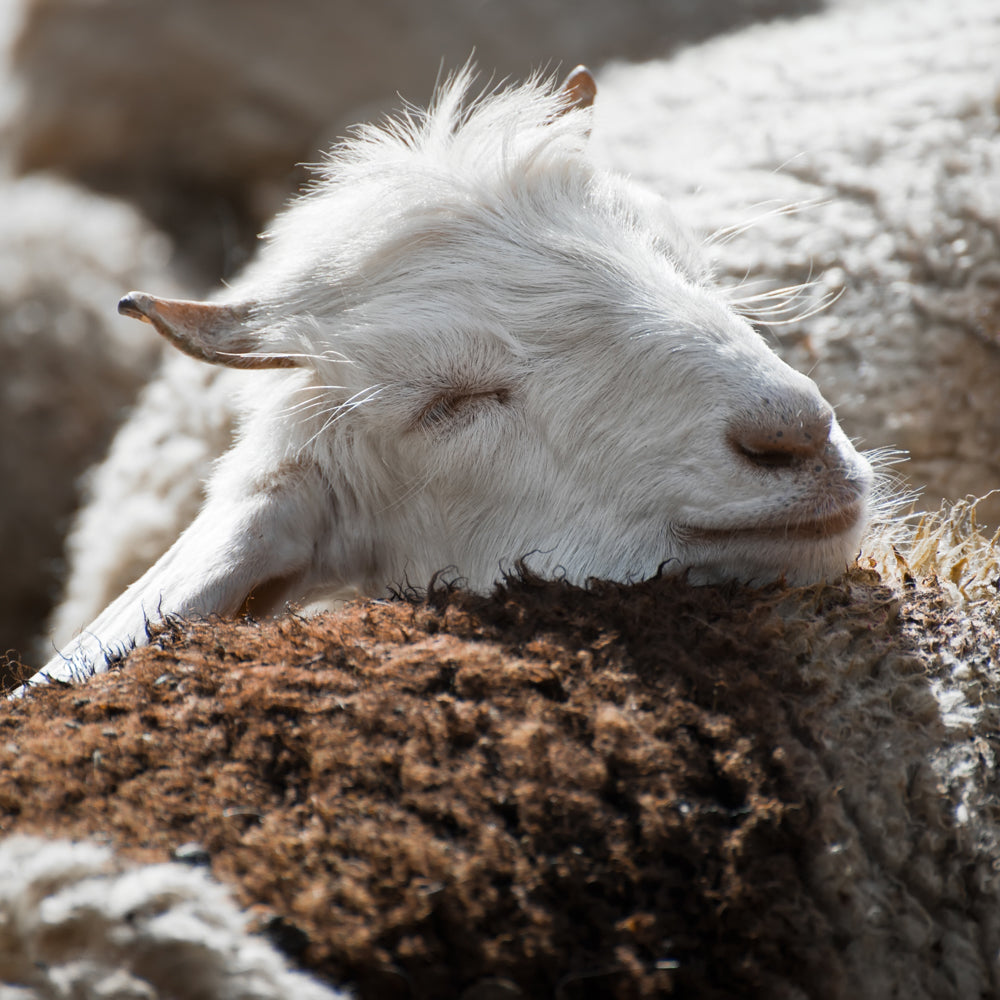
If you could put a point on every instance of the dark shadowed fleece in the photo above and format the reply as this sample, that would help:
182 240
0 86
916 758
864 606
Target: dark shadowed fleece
622 792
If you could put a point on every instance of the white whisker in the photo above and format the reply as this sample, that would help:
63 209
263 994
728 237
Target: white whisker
892 498
325 356
416 484
319 398
726 234
341 410
786 305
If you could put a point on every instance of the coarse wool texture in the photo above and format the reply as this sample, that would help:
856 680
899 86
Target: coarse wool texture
878 125
68 367
76 921
617 791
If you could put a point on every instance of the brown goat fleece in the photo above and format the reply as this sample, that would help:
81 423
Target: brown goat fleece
619 791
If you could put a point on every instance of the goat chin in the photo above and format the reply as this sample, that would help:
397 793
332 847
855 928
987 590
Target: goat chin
766 557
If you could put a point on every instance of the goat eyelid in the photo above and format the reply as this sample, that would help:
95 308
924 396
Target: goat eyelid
446 406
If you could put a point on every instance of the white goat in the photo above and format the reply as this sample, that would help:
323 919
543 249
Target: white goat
488 348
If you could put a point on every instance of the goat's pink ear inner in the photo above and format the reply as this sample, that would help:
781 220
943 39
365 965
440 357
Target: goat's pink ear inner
216 333
579 89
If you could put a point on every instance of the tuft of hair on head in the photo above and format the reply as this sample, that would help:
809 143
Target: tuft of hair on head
495 127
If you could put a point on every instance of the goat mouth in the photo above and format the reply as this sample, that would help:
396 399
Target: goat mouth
792 527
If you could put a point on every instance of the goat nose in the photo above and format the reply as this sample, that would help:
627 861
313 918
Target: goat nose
782 438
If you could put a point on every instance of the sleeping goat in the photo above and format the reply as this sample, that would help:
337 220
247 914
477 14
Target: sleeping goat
468 345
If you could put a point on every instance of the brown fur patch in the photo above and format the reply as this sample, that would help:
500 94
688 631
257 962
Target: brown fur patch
616 792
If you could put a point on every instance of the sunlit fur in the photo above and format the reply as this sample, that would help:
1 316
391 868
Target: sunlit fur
504 353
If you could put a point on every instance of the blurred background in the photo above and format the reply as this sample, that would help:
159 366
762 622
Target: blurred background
198 110
145 143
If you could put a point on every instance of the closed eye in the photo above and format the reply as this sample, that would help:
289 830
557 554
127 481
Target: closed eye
447 408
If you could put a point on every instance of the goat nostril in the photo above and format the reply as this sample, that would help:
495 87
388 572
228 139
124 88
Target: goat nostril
781 442
768 458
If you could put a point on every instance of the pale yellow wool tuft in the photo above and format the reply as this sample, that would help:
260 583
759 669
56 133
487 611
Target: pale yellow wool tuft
948 548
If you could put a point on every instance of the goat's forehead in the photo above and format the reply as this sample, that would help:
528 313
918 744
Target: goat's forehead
552 255
457 284
397 220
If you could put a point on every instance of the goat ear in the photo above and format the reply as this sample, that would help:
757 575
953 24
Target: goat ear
579 89
218 334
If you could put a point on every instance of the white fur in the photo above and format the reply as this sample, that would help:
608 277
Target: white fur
77 922
503 352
